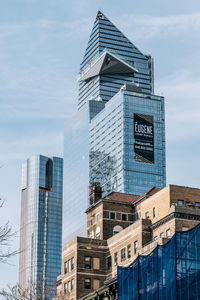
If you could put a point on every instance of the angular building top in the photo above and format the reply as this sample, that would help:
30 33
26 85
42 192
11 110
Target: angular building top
110 61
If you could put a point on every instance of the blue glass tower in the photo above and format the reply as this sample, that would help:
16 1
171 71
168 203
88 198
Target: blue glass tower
41 224
110 60
123 137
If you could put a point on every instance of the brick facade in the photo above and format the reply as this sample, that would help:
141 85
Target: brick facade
119 227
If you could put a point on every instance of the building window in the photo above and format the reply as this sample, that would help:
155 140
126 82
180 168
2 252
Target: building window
72 263
197 204
116 258
168 232
124 217
129 251
109 262
65 267
180 202
162 234
65 287
72 284
135 247
112 215
92 220
117 229
164 277
98 233
123 254
68 264
154 212
146 215
87 283
98 217
92 234
87 262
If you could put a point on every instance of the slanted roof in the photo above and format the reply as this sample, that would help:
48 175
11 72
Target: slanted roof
126 198
149 193
107 63
121 197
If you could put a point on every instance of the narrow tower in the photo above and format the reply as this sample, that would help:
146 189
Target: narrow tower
41 224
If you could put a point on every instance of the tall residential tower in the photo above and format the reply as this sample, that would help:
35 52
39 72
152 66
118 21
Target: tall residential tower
41 223
117 137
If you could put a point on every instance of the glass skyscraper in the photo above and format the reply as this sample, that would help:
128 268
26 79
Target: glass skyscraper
120 143
41 224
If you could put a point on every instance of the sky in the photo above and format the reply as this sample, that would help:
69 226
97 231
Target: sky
42 43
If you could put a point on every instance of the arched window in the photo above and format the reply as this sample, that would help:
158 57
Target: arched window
117 229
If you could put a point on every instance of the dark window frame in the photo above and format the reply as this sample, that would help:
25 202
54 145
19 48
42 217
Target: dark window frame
112 215
129 251
65 267
124 217
65 287
72 263
109 262
88 263
123 254
135 247
72 285
116 258
154 212
87 285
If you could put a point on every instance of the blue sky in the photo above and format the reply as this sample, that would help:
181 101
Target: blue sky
41 46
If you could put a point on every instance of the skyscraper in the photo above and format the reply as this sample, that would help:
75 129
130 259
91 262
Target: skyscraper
41 223
117 137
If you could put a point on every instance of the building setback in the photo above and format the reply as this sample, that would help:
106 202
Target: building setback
41 224
119 227
117 137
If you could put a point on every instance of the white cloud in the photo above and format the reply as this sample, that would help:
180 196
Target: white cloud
73 29
22 147
148 27
181 91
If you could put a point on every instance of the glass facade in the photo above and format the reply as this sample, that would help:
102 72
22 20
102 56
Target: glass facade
113 161
117 137
76 170
106 36
41 223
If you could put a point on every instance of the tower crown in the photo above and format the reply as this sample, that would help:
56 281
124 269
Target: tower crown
110 61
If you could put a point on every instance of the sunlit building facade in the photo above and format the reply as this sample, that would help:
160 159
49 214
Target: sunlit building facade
120 142
41 224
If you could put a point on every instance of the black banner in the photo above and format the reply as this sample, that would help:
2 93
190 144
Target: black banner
144 138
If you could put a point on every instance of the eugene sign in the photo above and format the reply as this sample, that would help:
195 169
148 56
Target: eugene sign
144 138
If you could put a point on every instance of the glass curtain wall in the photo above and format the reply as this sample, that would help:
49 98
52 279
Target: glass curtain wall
41 223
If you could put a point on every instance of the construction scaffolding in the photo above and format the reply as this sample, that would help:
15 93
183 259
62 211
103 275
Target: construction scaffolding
170 271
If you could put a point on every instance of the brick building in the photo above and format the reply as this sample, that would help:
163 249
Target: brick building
119 227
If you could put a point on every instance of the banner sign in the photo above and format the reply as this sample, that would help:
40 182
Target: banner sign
144 138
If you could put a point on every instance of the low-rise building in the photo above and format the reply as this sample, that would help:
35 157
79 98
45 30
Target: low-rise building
119 227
